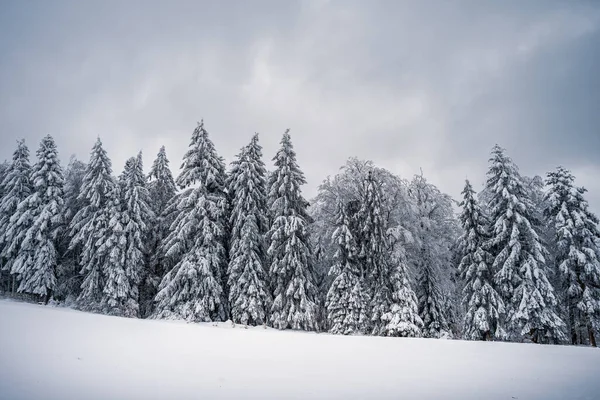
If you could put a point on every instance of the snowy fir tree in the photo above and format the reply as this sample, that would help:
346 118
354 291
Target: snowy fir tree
117 296
160 182
37 255
577 255
193 289
201 164
347 301
162 190
483 304
249 294
432 212
294 291
15 187
137 218
90 226
67 274
529 299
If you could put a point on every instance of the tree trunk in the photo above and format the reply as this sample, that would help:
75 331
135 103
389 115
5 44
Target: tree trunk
573 326
592 336
47 297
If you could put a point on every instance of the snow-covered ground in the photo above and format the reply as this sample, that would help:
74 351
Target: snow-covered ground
54 353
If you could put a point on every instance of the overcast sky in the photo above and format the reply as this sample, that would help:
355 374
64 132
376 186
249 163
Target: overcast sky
409 85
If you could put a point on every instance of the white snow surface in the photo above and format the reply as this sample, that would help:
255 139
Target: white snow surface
56 353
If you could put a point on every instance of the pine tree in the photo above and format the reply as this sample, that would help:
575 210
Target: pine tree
577 255
201 164
193 289
16 187
347 300
137 218
294 305
249 295
90 226
484 306
431 256
37 255
67 274
519 255
117 296
162 190
161 185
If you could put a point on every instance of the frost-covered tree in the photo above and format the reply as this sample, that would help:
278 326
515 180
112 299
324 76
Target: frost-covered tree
393 308
67 274
201 164
15 187
519 255
577 254
193 289
117 292
294 291
37 255
137 218
249 294
483 304
162 190
90 226
431 255
160 182
347 301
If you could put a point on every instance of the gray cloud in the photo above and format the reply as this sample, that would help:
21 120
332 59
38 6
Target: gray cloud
407 84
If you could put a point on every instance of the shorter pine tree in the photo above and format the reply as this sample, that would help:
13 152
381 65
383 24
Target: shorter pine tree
484 306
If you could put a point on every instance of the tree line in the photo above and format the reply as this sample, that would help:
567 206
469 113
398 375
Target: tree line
372 254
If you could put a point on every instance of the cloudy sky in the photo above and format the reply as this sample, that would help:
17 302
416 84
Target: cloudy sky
407 84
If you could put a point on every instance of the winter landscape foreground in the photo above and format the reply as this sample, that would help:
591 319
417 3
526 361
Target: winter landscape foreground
56 353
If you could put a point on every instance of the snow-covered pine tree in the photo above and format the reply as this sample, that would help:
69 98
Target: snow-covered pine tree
16 187
90 226
37 256
162 190
577 254
161 184
201 164
117 292
294 291
193 289
431 254
519 256
137 218
347 300
249 294
484 306
67 274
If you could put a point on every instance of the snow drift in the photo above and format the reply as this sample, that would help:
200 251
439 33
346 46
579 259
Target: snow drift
55 353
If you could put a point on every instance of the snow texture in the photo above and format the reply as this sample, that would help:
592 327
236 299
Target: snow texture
76 355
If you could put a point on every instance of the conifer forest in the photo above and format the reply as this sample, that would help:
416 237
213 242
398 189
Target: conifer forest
372 253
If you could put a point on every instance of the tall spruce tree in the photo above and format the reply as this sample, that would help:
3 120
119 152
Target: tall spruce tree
67 274
484 306
161 184
577 254
249 294
162 190
193 289
519 256
137 220
294 291
16 187
347 301
37 256
90 226
117 296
